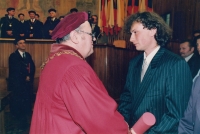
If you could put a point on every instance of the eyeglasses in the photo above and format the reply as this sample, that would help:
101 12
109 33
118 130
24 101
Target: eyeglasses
91 34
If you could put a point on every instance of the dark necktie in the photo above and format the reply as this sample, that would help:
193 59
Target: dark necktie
24 55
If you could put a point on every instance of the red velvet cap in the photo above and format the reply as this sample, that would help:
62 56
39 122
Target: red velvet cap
68 24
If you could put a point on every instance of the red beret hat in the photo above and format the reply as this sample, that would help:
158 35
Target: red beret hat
68 24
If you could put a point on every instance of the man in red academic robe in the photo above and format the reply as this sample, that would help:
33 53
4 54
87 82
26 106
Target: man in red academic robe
71 99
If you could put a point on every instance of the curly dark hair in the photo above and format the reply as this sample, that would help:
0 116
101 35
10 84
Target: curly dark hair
151 20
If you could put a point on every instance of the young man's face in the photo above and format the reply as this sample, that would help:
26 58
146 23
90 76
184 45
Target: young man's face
11 12
21 45
21 17
141 37
32 15
52 14
185 49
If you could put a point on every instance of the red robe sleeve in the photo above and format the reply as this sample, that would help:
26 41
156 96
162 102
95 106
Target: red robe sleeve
89 104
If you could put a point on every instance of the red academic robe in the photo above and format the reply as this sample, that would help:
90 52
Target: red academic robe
72 100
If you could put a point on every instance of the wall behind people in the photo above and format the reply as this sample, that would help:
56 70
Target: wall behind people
42 6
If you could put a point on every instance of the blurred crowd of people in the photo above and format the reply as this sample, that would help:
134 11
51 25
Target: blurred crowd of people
33 28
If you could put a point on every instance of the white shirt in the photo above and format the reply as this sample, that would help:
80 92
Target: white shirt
53 19
21 53
188 58
147 61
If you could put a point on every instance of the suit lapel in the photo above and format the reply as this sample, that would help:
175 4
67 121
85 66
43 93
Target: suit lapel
143 86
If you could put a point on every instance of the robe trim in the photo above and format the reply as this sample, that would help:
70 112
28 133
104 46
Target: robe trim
70 52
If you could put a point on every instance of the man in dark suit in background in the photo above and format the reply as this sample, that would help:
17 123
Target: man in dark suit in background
22 26
158 81
187 51
95 28
34 26
21 75
50 23
9 24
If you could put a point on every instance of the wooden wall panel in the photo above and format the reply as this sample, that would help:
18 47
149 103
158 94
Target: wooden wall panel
109 63
185 16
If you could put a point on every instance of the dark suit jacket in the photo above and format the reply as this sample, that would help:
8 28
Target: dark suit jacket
7 24
49 25
190 123
194 64
164 91
21 89
35 28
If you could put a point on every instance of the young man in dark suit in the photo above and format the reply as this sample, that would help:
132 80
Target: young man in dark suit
158 81
21 75
22 26
9 24
34 27
50 23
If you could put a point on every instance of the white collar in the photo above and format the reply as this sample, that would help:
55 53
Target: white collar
151 55
188 57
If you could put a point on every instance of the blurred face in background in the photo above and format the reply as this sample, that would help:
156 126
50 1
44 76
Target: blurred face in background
185 49
198 45
32 15
52 14
11 12
21 17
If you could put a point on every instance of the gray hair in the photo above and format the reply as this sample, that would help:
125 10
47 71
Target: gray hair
66 37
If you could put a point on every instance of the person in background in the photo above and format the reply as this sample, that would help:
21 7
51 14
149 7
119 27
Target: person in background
37 16
34 27
196 33
50 23
22 26
158 81
71 98
9 24
73 10
21 77
187 51
61 17
190 123
197 42
95 27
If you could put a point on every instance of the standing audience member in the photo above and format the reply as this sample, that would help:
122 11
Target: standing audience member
22 26
50 23
9 24
34 26
71 98
21 75
197 42
158 81
187 51
73 10
95 27
61 17
190 123
196 33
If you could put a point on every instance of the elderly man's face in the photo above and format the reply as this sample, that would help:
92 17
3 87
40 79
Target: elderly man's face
87 43
185 49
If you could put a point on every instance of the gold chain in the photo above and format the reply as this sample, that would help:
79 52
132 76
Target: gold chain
58 54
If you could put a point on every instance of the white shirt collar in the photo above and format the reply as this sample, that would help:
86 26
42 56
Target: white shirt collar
20 52
188 58
151 55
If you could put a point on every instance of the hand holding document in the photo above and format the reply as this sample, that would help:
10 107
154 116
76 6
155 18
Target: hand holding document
144 123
